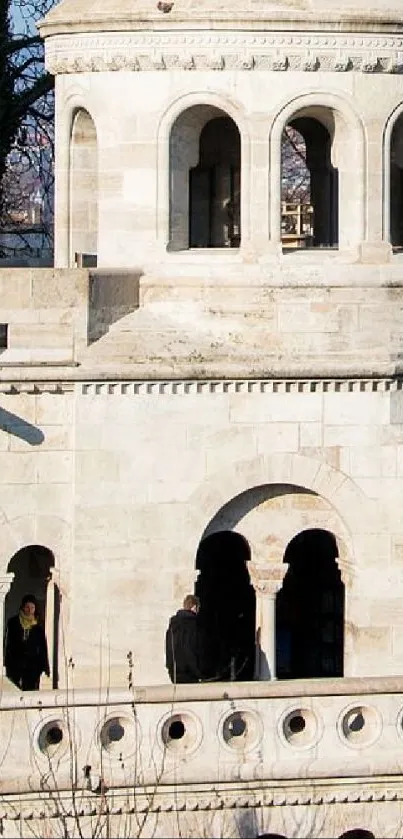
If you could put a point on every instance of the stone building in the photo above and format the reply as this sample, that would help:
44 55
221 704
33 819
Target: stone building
187 403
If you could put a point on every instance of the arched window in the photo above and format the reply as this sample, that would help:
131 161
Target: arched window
396 185
205 180
83 190
227 613
310 609
310 183
31 567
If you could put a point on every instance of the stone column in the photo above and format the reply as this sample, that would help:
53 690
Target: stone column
376 247
50 626
255 191
5 583
266 581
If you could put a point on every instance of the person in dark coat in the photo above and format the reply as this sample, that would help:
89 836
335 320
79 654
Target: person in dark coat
183 643
26 650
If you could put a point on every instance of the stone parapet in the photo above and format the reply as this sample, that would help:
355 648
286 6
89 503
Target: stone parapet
204 747
301 320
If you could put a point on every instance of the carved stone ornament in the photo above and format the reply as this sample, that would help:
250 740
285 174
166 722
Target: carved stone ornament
267 579
211 50
5 583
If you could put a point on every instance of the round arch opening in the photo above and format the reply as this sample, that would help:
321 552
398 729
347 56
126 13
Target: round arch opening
228 607
32 568
310 609
205 180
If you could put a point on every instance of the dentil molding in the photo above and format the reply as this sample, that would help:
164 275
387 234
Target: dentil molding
211 50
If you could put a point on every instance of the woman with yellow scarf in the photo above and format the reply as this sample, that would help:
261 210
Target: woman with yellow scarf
26 650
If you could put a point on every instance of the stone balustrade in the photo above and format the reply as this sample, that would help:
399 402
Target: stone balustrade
214 734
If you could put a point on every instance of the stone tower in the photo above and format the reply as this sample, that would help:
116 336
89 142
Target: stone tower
190 403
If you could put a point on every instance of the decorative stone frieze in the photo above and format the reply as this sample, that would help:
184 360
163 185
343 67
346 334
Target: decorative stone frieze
224 50
183 387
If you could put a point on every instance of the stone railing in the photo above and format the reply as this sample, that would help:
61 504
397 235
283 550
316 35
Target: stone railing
215 734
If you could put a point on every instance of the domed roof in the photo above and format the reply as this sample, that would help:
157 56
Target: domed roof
118 15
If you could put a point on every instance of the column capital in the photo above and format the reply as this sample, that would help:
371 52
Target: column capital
5 583
267 579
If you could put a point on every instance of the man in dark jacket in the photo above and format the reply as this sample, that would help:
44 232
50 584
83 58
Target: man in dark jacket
26 651
182 643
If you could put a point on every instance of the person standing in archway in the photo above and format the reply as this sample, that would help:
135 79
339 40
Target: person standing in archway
183 643
26 649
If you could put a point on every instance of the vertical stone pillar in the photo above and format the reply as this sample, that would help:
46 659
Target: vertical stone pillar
376 246
266 581
5 583
255 190
50 618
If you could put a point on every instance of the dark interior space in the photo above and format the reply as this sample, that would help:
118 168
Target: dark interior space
228 607
310 609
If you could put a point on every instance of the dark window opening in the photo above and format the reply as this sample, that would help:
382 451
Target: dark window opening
228 606
310 609
3 336
215 187
396 186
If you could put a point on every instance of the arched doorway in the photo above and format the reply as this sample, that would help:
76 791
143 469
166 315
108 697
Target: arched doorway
31 567
310 609
228 606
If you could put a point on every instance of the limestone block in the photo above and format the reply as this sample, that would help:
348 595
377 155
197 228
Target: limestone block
18 468
310 434
55 498
371 462
351 435
277 437
262 409
54 467
95 466
54 409
348 408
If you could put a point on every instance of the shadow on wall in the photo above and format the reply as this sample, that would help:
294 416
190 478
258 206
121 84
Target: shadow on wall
31 567
18 427
112 295
230 514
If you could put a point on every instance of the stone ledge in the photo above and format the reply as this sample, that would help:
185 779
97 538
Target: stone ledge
205 692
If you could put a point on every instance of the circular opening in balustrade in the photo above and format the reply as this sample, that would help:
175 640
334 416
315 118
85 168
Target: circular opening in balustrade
300 728
176 730
297 724
118 736
51 739
360 725
241 730
54 736
181 733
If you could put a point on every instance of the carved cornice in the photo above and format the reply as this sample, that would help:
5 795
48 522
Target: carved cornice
193 800
183 387
35 388
192 388
224 51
